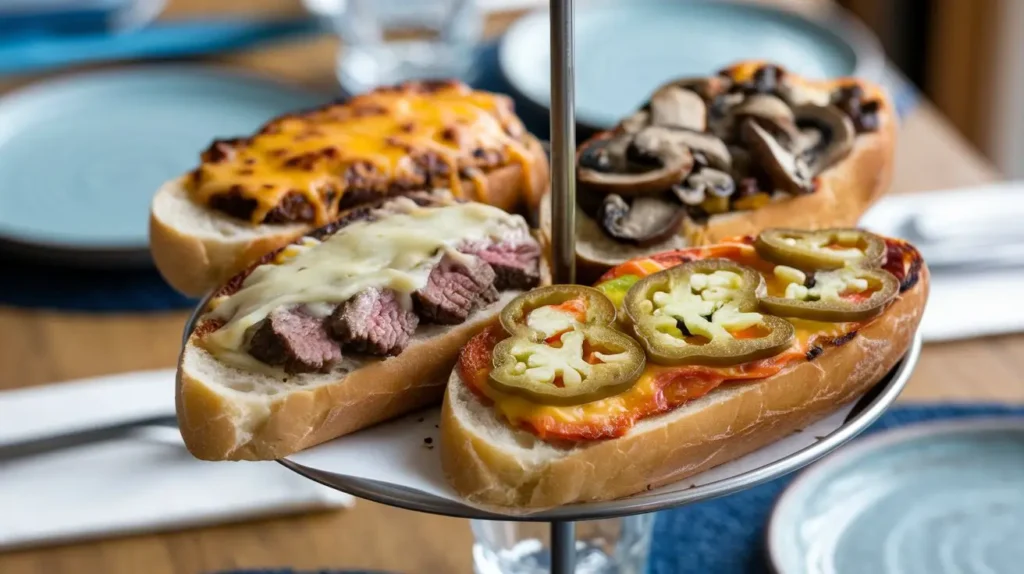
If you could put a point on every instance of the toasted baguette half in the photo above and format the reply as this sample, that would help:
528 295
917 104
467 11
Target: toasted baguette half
491 463
843 193
196 248
228 412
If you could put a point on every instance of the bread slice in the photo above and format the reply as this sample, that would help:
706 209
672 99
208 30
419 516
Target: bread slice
196 248
226 413
843 193
491 463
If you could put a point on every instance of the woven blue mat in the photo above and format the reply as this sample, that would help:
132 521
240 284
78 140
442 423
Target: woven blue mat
726 535
105 291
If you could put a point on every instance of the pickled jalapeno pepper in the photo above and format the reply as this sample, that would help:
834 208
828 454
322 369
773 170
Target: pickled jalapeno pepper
562 350
705 312
824 249
840 295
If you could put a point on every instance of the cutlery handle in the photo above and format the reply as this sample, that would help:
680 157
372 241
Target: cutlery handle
969 256
991 221
41 445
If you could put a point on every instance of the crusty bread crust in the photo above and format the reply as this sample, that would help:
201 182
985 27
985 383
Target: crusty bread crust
196 248
844 192
222 417
492 464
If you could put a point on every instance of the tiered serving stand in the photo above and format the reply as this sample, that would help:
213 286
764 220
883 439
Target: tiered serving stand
562 519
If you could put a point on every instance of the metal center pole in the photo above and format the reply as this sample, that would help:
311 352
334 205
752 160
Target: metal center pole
563 209
563 547
563 143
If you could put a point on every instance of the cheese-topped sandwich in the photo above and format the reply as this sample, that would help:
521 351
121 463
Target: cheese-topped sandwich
250 195
352 324
675 363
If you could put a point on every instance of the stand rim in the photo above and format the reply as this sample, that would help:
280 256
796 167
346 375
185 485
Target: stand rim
888 389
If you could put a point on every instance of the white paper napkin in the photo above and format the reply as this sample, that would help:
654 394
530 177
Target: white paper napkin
131 485
963 303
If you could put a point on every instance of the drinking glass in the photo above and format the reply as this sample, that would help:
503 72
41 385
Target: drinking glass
611 546
390 41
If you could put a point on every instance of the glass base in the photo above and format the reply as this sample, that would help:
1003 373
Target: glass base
614 546
362 68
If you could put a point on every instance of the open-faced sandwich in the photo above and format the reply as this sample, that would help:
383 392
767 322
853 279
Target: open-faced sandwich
253 194
352 324
713 157
675 363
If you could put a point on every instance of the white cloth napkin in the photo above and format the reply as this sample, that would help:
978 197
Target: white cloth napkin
131 485
963 224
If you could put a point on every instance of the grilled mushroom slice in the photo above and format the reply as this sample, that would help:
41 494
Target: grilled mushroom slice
648 220
659 169
787 171
707 87
676 107
708 188
796 94
770 111
742 164
835 137
654 138
605 155
635 122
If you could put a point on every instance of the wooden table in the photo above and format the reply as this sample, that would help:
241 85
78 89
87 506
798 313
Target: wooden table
40 347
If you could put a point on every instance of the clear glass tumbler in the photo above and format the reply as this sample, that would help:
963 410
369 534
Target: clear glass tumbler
613 546
390 41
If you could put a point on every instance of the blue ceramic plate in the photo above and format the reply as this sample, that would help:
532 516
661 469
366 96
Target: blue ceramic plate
81 156
929 499
624 50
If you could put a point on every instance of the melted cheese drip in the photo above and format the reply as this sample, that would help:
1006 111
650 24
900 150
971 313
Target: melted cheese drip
394 252
452 122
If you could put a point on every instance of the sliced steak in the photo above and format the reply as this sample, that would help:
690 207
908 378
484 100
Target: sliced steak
457 285
373 322
298 342
515 263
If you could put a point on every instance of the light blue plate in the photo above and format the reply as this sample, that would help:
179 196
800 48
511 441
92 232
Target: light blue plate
624 50
81 156
937 498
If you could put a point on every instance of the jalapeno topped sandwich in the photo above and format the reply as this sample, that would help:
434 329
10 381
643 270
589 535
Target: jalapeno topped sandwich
711 352
251 195
707 158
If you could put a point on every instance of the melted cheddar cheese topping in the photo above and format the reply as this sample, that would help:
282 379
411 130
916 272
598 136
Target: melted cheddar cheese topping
391 136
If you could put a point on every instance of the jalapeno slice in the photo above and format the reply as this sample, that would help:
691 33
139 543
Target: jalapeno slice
837 296
705 312
545 312
823 249
591 363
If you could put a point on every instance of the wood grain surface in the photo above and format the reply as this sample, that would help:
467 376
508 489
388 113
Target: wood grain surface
40 347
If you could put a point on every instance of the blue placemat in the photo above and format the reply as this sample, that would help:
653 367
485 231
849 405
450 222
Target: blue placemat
726 535
32 285
40 286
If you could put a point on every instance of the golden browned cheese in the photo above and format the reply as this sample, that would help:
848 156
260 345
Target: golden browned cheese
383 132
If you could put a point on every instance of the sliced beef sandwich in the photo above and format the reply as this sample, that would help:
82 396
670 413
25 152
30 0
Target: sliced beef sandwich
708 158
251 195
355 323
